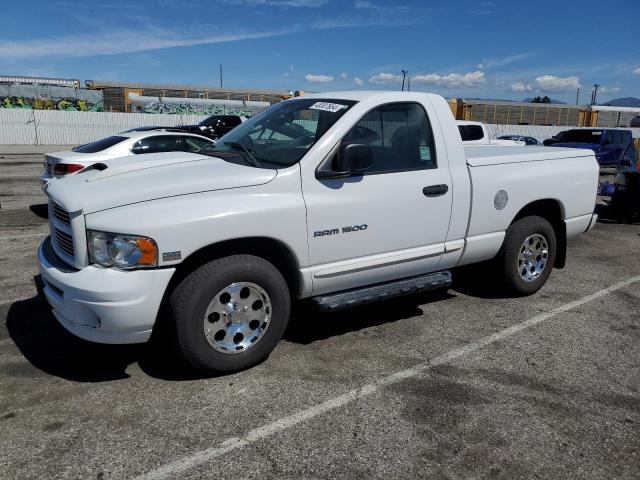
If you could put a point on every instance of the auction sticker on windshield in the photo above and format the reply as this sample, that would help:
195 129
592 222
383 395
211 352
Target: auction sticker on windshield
327 107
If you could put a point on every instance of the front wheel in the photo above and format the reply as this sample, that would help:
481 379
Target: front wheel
528 255
230 313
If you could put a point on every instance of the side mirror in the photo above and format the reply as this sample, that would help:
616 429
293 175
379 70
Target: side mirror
138 149
352 158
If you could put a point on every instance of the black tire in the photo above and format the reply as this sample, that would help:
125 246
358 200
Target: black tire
189 301
508 264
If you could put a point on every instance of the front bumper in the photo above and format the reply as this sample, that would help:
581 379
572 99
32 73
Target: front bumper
102 305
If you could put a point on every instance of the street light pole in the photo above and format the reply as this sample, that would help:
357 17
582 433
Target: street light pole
404 75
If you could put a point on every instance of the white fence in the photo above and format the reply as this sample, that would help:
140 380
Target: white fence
50 127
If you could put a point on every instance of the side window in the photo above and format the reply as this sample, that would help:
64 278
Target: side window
158 143
194 144
471 132
617 138
399 135
608 138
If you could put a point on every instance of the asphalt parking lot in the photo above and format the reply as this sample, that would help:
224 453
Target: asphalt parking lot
456 384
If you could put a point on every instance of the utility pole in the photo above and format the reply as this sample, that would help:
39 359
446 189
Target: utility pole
404 75
578 96
595 93
408 84
220 75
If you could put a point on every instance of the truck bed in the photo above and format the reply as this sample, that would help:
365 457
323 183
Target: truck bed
478 156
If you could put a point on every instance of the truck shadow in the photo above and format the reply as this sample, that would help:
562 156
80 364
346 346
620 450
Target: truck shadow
48 347
607 216
478 281
308 325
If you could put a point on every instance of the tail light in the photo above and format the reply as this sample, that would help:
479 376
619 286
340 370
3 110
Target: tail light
66 168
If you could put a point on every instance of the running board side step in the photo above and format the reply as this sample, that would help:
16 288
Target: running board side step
382 291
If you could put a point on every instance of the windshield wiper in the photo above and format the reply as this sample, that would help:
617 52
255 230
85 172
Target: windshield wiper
251 159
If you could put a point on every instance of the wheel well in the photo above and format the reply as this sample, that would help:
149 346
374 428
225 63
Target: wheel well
270 249
552 211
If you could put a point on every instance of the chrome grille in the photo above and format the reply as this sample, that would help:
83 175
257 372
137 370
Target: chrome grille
61 215
64 242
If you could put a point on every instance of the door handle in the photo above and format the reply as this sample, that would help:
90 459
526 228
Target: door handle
435 190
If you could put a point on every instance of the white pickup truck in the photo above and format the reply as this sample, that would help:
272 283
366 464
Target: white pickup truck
343 198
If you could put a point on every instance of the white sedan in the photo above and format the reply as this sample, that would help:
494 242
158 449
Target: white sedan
133 142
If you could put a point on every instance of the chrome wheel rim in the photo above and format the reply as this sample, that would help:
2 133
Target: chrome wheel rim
533 257
237 317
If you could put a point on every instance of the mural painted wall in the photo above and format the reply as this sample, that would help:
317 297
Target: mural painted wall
194 106
38 97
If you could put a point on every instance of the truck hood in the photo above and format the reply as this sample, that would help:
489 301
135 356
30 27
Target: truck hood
148 177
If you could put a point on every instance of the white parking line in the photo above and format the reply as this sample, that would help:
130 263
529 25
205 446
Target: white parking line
25 236
173 469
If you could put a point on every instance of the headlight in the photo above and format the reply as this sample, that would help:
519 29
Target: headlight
122 251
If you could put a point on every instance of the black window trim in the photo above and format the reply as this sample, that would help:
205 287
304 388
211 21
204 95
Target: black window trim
327 163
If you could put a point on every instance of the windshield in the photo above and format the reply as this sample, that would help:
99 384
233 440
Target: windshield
99 145
581 136
280 136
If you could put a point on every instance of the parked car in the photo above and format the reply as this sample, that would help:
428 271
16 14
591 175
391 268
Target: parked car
608 144
129 143
476 133
554 139
214 126
520 138
372 196
625 199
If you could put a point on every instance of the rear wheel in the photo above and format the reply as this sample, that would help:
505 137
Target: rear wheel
230 313
528 255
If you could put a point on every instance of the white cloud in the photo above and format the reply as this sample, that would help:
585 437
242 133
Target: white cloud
605 89
452 80
148 37
118 41
358 81
549 83
313 78
637 71
343 76
500 62
385 78
521 87
552 83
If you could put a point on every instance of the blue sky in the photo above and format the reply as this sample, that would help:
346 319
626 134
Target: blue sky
506 49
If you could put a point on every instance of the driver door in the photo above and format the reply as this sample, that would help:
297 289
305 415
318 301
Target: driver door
390 222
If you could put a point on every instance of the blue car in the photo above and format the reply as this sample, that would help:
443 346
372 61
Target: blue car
608 144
